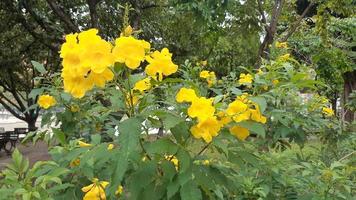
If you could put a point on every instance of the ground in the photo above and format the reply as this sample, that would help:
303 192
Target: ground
34 153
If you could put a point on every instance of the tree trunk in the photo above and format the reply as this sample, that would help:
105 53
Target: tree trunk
349 86
31 123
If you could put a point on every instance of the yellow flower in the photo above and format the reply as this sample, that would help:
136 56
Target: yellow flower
265 87
74 108
86 61
185 95
204 74
206 129
110 146
328 111
160 63
119 190
238 110
223 118
127 31
284 57
83 144
130 51
74 162
260 72
173 159
275 81
206 162
209 76
46 101
245 78
95 191
281 44
142 85
201 108
240 132
256 116
236 107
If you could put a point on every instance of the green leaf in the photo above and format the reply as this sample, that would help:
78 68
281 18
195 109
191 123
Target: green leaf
261 102
190 191
180 132
254 127
60 136
129 135
39 67
169 119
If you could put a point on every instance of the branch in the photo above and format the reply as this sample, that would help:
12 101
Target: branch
270 31
28 27
37 18
8 108
92 11
296 24
9 101
264 21
62 16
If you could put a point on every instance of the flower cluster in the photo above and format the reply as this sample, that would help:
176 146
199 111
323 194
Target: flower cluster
282 45
328 111
245 79
201 108
209 76
209 123
87 60
46 101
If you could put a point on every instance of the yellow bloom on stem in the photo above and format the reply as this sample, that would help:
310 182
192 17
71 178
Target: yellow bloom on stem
130 51
209 76
86 61
245 78
201 108
240 132
275 81
206 129
281 44
204 74
259 71
127 31
173 159
74 163
206 162
110 146
46 101
328 111
119 190
257 116
284 57
143 85
223 118
83 144
185 95
95 191
236 107
204 63
160 63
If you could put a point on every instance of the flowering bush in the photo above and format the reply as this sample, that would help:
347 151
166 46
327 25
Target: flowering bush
123 126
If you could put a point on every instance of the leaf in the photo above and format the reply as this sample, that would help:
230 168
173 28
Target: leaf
39 67
60 136
261 102
180 132
190 191
254 127
169 119
129 135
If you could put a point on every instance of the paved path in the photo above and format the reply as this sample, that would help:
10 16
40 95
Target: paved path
34 153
